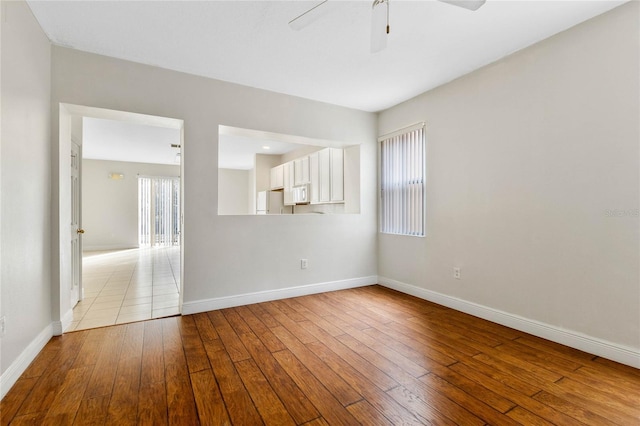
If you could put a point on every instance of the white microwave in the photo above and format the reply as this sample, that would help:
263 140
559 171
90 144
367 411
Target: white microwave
301 194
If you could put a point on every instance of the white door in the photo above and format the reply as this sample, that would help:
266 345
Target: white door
76 226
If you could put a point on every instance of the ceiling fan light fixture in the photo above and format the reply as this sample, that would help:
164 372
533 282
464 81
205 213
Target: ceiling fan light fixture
466 4
379 25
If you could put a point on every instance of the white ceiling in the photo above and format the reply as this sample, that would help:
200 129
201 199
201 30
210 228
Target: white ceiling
116 140
238 152
250 43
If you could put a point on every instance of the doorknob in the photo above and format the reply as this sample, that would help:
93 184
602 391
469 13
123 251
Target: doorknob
80 231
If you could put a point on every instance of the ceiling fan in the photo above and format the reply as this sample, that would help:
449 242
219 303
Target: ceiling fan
379 18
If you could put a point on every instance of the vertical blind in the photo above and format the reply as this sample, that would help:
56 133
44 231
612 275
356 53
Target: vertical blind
402 183
158 211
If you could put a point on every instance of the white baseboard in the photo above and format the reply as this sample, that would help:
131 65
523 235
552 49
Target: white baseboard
265 296
59 327
605 349
17 367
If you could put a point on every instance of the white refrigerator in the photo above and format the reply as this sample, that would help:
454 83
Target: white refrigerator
269 202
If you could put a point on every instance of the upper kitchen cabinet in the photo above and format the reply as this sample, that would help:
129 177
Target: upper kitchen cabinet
277 177
327 176
301 171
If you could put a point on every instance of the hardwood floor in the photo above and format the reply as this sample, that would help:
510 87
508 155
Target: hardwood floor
362 356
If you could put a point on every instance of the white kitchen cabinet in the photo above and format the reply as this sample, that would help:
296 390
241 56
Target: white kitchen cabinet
337 175
277 177
301 171
288 176
314 178
327 176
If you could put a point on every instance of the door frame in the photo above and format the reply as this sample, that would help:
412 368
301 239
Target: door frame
61 311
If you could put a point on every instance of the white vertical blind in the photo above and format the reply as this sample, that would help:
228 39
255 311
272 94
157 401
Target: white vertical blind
159 211
402 183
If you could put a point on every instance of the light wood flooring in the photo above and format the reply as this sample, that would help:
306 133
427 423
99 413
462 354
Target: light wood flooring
367 356
122 286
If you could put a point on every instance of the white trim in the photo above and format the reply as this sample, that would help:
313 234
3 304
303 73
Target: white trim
411 128
17 367
59 327
613 351
265 296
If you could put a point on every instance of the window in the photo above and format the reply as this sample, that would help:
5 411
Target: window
402 182
158 211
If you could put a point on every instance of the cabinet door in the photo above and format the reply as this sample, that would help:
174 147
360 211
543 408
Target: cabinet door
314 178
337 174
277 177
288 183
324 162
301 171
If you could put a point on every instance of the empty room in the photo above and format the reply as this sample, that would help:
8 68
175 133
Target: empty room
388 212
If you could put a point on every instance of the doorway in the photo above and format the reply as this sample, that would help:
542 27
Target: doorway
116 277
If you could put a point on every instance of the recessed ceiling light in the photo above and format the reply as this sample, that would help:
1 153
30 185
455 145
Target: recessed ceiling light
266 147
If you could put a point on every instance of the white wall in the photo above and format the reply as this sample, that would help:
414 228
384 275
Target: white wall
110 207
233 191
234 255
25 193
525 159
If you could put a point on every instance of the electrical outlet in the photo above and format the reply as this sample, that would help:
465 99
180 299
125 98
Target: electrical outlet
2 326
304 263
457 273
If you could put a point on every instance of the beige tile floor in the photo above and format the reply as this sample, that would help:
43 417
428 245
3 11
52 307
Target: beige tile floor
128 285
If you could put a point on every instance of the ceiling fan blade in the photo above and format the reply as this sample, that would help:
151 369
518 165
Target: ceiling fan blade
379 25
306 18
467 4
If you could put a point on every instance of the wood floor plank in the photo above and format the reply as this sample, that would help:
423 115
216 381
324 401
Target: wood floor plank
290 324
192 343
385 351
589 400
92 411
211 407
366 414
260 329
298 405
525 417
104 372
152 404
205 328
67 401
264 397
330 408
365 384
368 355
427 412
265 317
472 404
489 397
348 356
49 383
123 406
575 411
338 387
152 354
48 354
14 398
237 352
241 409
91 348
503 386
181 406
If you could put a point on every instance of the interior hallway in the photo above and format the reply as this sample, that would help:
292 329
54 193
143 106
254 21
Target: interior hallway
128 285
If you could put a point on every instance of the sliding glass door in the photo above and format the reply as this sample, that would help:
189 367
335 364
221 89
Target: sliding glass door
158 211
